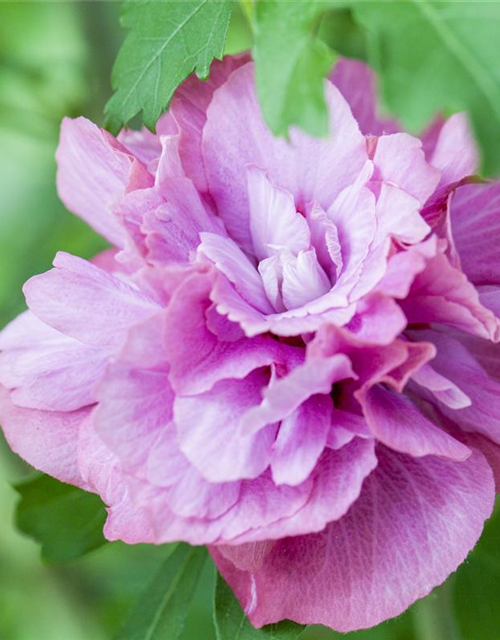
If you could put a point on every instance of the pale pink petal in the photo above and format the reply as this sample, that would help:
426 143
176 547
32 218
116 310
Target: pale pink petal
132 210
357 83
404 266
169 164
189 111
274 221
173 228
309 168
399 160
260 504
325 239
378 320
143 144
443 389
103 475
134 406
398 216
265 511
60 375
301 439
455 154
354 214
86 303
234 264
209 432
47 440
304 279
94 172
188 494
193 496
271 272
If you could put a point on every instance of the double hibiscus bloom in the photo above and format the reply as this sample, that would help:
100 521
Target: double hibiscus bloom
289 353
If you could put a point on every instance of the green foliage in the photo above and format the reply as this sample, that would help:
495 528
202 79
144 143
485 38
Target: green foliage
438 56
343 34
431 55
167 41
67 521
231 622
477 586
162 609
291 64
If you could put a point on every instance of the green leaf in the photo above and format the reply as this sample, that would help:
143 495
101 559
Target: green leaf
161 611
477 585
167 41
67 521
231 622
343 34
291 64
439 56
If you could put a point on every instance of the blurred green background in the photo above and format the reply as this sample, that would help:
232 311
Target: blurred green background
55 60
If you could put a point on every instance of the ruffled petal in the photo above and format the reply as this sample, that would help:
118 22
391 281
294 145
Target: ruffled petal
357 83
455 154
414 523
47 440
300 441
456 363
309 168
475 226
210 436
198 358
274 222
236 266
396 422
94 172
86 303
442 294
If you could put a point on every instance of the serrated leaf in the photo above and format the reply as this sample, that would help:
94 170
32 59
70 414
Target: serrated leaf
168 40
161 611
67 521
438 56
291 64
231 622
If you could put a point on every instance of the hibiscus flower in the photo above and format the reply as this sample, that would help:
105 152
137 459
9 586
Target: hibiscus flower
288 354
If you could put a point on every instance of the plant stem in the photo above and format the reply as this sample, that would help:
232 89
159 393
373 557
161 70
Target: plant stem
433 616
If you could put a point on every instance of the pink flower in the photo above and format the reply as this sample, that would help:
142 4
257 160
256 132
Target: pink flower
288 355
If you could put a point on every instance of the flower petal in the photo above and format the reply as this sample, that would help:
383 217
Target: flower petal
309 168
475 226
209 434
301 439
415 522
397 423
86 303
94 171
47 440
274 221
